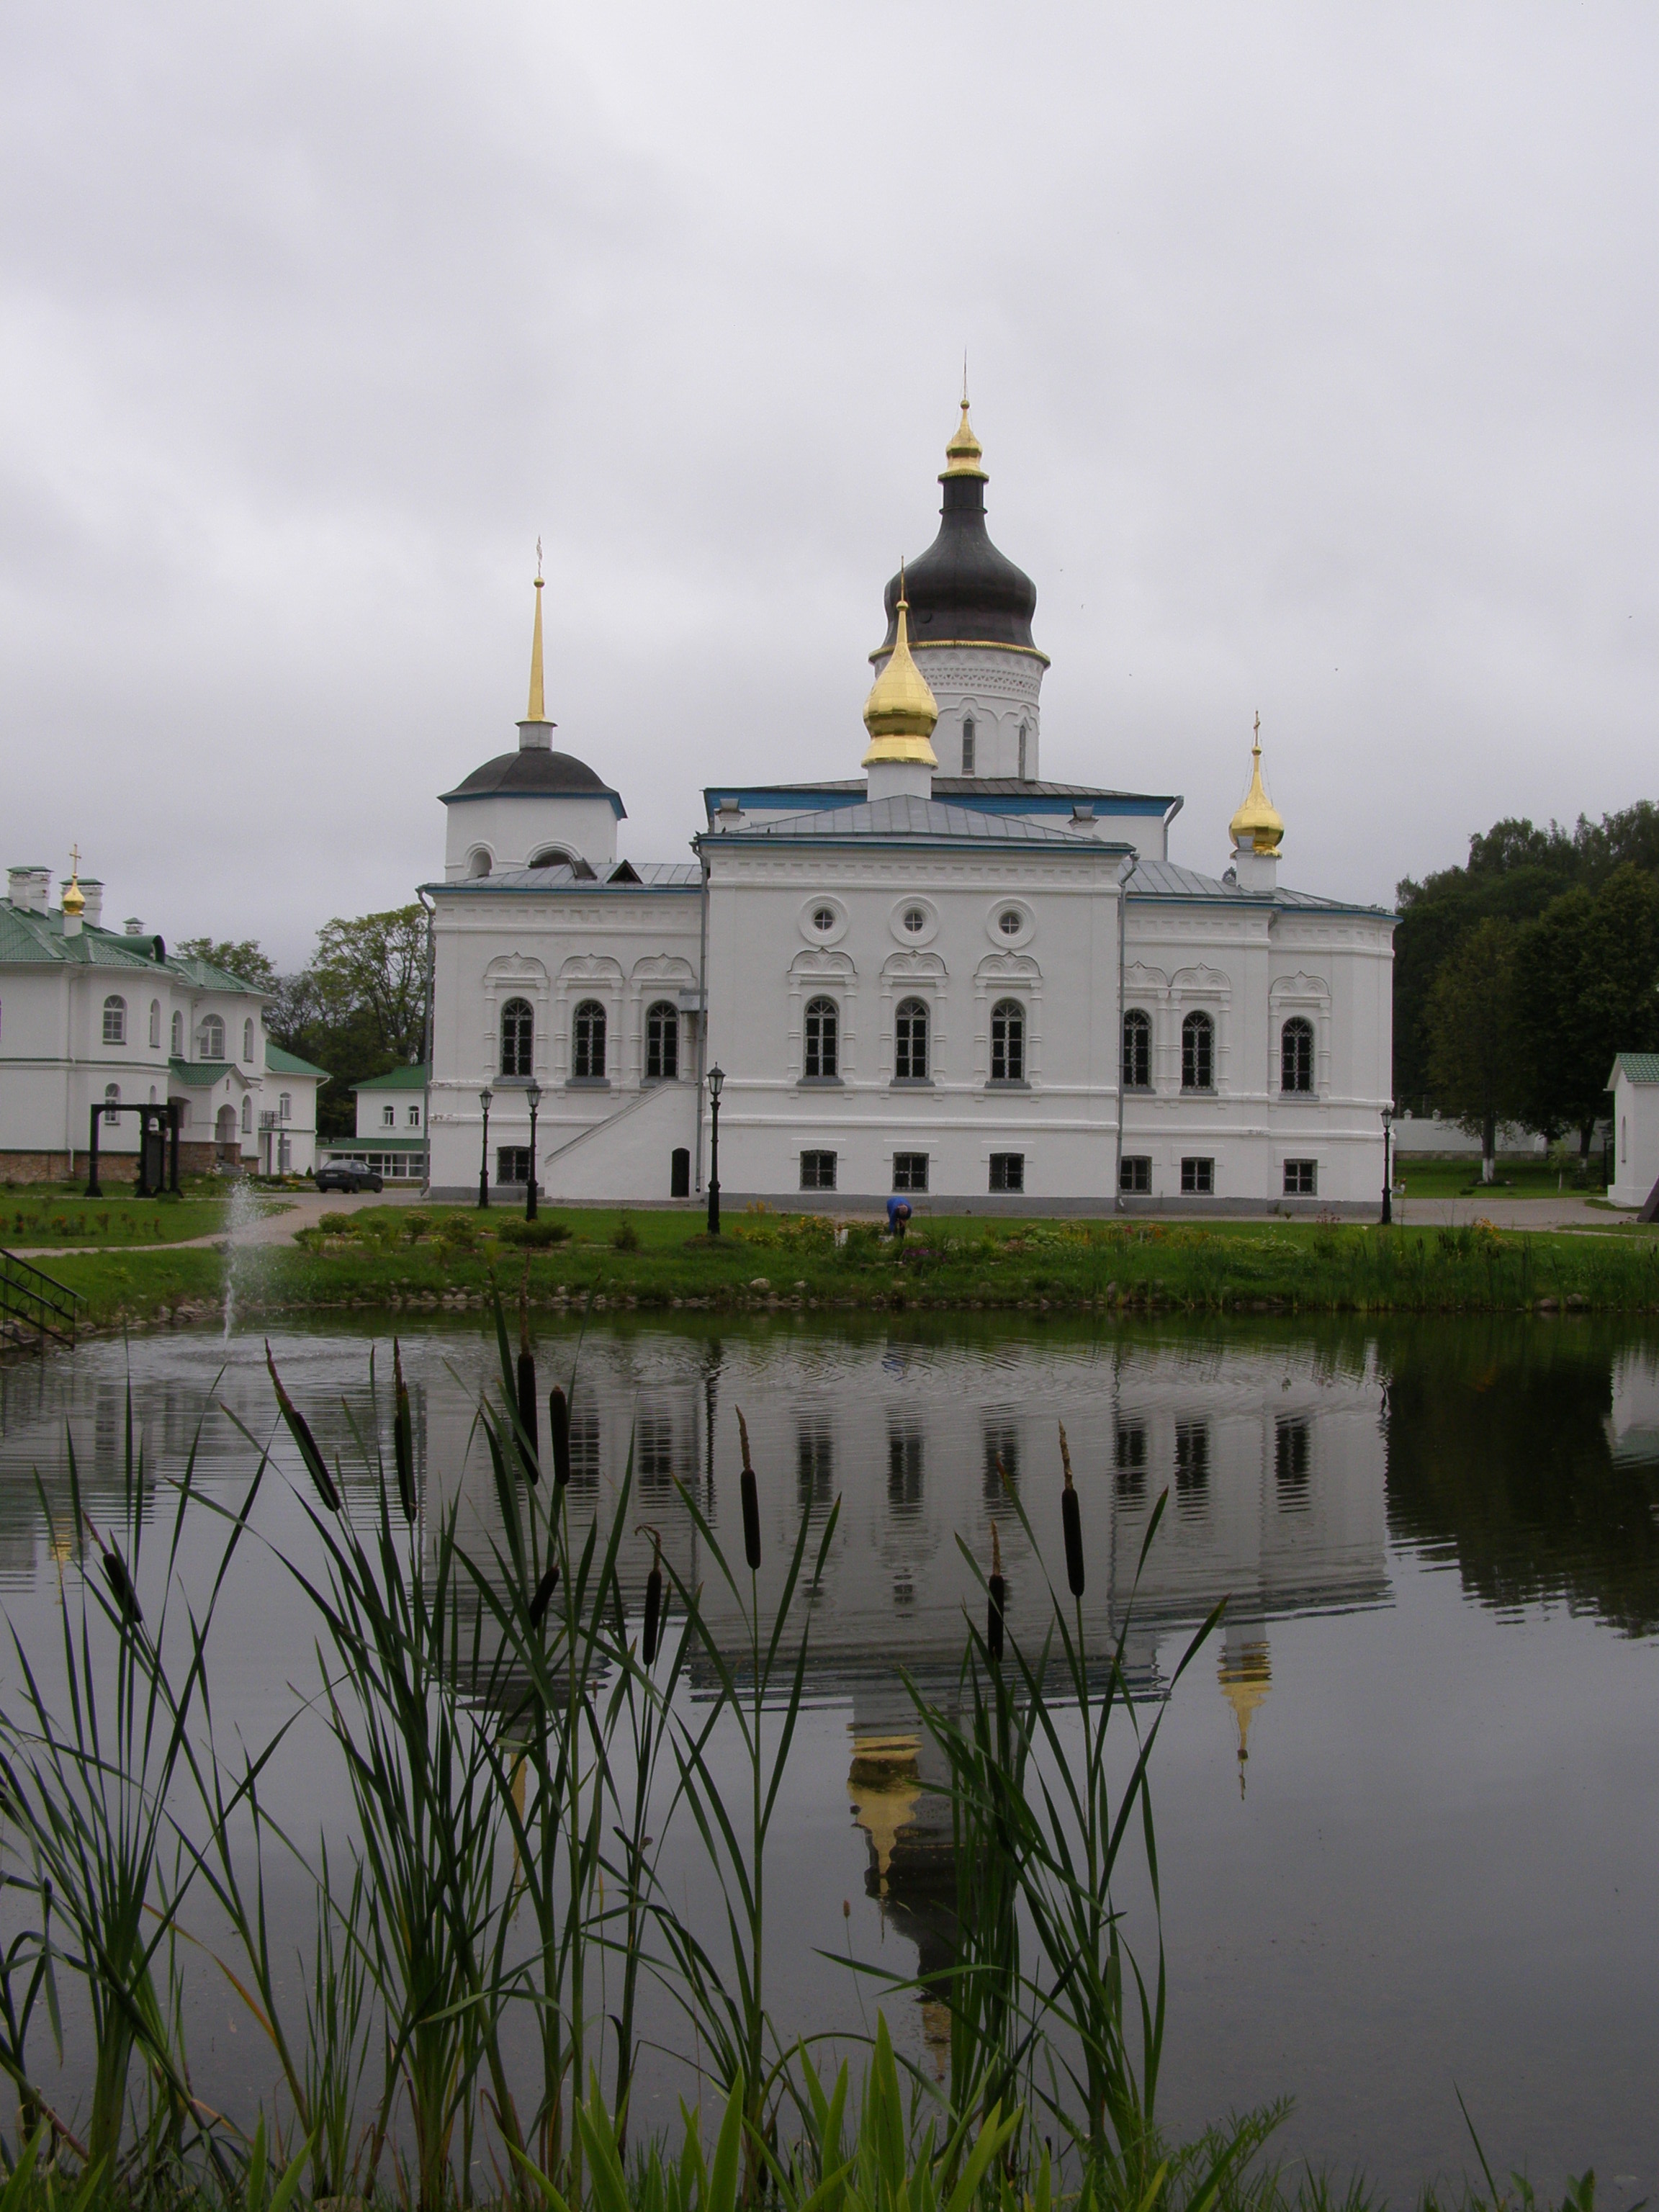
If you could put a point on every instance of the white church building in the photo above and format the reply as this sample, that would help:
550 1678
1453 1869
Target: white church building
943 977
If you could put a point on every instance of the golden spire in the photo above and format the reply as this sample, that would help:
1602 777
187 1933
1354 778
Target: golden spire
964 453
1245 1677
538 708
1258 821
901 711
75 899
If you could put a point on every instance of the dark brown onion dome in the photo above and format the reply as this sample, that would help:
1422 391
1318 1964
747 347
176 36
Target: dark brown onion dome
534 770
962 590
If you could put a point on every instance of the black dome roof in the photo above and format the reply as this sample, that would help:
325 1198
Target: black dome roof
962 590
533 770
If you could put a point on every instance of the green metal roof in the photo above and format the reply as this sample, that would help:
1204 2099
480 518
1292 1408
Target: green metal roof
200 1074
399 1078
280 1062
1637 1066
31 939
387 1143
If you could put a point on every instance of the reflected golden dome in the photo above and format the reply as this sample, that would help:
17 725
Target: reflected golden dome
1258 823
901 711
882 1785
1245 1677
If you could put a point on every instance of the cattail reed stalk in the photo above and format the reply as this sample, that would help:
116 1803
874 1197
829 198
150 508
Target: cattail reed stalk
403 1435
653 1599
316 1465
543 1597
1071 1520
529 1443
120 1583
558 1429
998 1597
751 1542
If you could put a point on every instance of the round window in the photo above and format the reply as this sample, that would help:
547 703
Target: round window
1011 921
824 918
916 920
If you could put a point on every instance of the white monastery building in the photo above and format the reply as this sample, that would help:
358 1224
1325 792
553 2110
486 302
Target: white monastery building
943 977
92 1017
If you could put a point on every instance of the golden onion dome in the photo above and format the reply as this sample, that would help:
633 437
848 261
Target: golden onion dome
963 454
75 899
1258 823
901 711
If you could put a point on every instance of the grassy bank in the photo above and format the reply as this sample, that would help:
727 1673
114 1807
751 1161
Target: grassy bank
32 1214
400 1258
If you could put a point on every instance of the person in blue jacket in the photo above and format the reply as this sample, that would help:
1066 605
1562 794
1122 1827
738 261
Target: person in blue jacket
898 1213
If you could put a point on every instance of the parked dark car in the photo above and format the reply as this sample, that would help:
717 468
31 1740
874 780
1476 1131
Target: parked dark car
349 1175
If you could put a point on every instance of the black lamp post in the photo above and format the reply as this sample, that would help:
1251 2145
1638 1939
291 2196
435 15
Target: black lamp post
534 1095
716 1077
484 1097
1388 1170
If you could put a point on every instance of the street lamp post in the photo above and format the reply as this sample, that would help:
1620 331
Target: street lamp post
1388 1167
716 1078
484 1097
534 1095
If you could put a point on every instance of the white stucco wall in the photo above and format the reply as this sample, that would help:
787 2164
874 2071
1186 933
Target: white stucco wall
511 828
1635 1141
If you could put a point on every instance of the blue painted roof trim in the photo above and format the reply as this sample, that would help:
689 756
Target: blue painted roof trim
480 886
824 798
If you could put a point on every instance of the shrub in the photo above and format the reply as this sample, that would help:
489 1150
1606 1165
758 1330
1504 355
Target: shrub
624 1236
536 1235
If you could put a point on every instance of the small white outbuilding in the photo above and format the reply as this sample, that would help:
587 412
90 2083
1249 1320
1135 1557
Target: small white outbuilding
1634 1083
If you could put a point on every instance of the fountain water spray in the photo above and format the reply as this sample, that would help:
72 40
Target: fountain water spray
243 1210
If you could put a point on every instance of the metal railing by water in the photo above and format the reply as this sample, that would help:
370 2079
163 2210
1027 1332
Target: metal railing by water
36 1300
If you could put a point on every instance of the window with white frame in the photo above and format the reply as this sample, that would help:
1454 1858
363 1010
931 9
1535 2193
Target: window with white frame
1137 1050
1301 1178
817 1171
210 1038
285 1106
248 1040
1197 1053
1134 1175
518 1037
1198 1178
910 1043
909 1171
155 1024
1007 1171
248 1115
111 1100
587 1042
177 1045
968 747
1007 1042
414 1117
389 1117
662 1042
1295 1056
115 1021
821 1058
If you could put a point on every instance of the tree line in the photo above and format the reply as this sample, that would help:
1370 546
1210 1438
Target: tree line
1519 976
357 1009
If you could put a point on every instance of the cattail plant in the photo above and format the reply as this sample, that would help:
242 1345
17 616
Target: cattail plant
558 1428
751 1542
996 1598
529 1442
543 1595
1071 1520
299 1429
653 1597
403 1435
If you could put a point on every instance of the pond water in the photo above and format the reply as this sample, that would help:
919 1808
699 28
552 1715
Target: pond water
1408 1797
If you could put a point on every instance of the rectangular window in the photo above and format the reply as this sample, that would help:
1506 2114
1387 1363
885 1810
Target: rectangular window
1007 1171
910 1170
512 1163
1135 1175
817 1171
1291 1455
968 745
1197 1177
1129 1459
389 1115
1301 1178
414 1117
1192 1464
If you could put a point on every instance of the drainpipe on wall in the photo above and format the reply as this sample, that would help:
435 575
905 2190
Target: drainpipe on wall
426 1053
702 1011
1122 933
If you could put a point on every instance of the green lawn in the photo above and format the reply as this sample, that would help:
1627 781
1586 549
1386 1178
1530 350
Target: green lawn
1462 1178
57 1213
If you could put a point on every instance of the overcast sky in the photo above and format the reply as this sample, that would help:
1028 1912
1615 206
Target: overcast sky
1312 347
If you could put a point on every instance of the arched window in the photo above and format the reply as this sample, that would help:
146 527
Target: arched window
587 1042
1137 1050
155 1024
285 1106
910 1043
822 1038
518 1035
1007 1042
212 1039
247 1114
968 745
551 856
1197 1053
111 1100
478 863
1022 751
178 1046
662 1042
248 1040
115 1021
1296 1048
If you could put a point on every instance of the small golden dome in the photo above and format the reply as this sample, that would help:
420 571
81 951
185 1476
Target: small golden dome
901 711
964 453
1258 823
75 899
